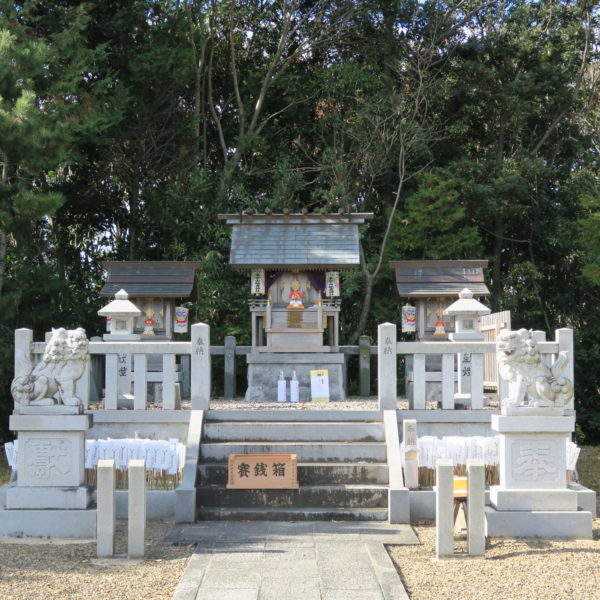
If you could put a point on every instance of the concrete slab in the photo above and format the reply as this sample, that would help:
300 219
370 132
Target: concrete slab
48 523
290 589
352 595
77 498
348 579
526 499
541 524
232 578
212 594
302 561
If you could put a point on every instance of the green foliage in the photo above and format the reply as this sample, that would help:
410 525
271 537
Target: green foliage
588 467
433 224
469 128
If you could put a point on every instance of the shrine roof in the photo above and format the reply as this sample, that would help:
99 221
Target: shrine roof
295 241
150 279
429 278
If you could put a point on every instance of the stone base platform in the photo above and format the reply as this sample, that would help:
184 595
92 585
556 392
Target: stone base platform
264 371
533 500
575 525
42 498
48 523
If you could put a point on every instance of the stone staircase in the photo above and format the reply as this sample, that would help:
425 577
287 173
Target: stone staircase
342 465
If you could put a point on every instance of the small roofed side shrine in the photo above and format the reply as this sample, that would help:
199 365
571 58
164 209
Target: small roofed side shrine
294 263
155 287
430 287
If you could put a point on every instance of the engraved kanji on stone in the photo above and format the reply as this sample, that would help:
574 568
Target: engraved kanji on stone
535 461
47 456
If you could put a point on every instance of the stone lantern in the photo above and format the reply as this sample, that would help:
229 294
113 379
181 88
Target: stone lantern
466 311
122 314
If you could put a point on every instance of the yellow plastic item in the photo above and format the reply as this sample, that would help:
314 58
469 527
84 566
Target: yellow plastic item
460 487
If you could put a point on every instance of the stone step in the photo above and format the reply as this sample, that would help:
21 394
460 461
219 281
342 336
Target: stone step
314 496
310 473
292 431
291 514
293 413
305 451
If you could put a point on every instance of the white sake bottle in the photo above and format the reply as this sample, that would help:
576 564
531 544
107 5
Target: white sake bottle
294 388
281 388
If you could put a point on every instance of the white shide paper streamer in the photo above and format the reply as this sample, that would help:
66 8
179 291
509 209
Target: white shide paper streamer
160 455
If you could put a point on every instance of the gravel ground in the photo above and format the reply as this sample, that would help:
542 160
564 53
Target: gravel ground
34 570
353 403
512 569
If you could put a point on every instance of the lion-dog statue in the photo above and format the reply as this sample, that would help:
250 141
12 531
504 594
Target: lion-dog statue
532 382
52 380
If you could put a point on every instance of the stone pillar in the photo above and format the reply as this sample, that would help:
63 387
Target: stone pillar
387 384
364 365
140 381
124 374
564 337
169 394
106 512
136 513
200 366
230 370
444 508
476 506
410 454
23 340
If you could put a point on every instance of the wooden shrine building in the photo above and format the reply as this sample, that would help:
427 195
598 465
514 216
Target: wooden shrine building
294 263
433 285
154 287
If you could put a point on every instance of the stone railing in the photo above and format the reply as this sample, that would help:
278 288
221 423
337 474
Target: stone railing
126 367
469 378
455 387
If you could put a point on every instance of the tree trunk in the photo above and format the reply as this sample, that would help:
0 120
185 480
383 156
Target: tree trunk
134 199
3 236
497 266
366 308
3 251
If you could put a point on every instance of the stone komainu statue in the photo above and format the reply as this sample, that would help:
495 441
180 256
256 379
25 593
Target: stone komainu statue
532 382
52 380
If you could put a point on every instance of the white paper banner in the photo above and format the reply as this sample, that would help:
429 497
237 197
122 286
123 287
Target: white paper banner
319 385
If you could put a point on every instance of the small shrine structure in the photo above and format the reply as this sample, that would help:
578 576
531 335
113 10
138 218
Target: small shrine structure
433 285
154 287
294 263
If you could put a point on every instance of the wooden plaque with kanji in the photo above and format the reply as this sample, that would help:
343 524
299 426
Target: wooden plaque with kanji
262 471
